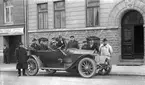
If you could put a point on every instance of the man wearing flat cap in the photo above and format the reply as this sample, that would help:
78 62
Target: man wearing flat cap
105 49
21 54
72 43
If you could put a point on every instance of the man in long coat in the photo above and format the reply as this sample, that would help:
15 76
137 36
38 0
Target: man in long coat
6 54
21 54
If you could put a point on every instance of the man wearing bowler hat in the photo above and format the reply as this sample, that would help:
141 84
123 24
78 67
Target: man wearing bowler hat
105 49
21 54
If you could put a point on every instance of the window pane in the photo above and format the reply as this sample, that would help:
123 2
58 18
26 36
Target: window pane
63 20
7 15
90 17
42 7
96 16
42 16
57 19
45 20
91 3
59 5
40 24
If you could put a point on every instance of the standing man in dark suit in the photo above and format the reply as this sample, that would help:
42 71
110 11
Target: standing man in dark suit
72 43
21 54
6 54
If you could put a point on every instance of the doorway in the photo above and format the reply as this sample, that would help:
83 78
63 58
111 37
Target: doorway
12 43
132 35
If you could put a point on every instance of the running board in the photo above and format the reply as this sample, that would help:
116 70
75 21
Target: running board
60 69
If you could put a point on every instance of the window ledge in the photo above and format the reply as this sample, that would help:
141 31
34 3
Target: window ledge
9 23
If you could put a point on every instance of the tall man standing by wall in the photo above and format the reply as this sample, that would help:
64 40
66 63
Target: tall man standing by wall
22 58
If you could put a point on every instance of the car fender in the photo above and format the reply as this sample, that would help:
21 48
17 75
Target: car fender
74 64
39 62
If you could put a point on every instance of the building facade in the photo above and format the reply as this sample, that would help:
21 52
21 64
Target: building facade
120 21
12 22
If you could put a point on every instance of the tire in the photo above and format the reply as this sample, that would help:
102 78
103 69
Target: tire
87 67
50 71
32 67
105 69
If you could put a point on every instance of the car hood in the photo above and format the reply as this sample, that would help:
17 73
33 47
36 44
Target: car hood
80 51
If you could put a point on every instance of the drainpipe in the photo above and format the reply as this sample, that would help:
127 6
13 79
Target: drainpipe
25 21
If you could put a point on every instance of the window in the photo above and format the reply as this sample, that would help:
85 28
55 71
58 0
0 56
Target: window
93 7
8 11
42 16
59 14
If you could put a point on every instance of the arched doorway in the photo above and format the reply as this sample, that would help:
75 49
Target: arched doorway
132 35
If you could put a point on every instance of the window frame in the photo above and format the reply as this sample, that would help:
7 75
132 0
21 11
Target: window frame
60 10
98 8
46 11
9 7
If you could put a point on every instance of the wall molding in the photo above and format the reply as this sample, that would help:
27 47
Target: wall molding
75 29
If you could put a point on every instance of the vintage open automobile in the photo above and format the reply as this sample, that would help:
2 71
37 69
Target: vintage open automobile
85 62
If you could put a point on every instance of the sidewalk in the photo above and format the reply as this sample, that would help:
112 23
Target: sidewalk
7 67
116 70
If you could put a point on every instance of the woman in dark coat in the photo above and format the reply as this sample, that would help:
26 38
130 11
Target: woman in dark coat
21 54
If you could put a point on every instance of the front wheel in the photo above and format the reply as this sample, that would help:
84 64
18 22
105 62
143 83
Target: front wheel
32 67
87 67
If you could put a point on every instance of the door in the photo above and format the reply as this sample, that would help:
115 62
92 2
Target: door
51 59
13 44
127 42
132 35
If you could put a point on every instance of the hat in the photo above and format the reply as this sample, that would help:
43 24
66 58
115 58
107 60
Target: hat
84 41
34 39
104 39
72 36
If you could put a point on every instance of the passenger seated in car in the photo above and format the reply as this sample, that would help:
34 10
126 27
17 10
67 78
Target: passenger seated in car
53 43
35 45
43 44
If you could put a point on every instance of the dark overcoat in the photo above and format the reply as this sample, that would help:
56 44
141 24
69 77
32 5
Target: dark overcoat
72 44
61 43
21 54
6 54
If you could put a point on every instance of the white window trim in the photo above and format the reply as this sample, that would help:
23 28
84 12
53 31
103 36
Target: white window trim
10 14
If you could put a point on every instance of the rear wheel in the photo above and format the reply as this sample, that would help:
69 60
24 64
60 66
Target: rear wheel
50 71
87 67
32 67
